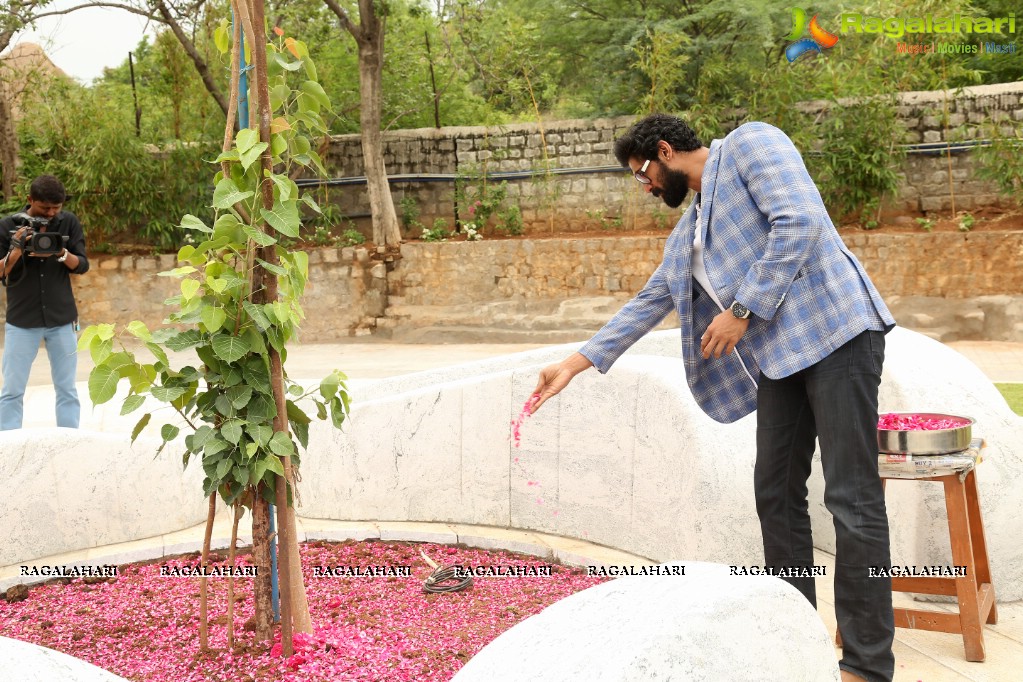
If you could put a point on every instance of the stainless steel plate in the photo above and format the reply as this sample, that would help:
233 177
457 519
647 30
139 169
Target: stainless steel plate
936 442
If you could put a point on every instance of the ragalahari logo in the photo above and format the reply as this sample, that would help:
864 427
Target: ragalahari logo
818 41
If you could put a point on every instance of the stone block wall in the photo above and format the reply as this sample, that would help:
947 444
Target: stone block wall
926 187
548 202
951 285
598 193
952 117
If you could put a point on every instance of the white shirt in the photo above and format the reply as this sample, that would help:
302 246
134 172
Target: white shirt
699 268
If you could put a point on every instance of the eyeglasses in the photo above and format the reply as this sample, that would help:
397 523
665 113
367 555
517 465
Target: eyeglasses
641 176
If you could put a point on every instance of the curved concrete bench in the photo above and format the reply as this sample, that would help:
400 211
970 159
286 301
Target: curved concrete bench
72 489
24 662
705 626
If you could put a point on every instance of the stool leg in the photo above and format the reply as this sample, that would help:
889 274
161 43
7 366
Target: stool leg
979 540
962 555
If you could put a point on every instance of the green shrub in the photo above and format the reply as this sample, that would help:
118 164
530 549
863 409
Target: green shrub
1001 161
351 237
438 233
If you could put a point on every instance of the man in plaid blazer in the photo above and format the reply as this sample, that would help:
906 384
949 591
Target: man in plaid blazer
777 317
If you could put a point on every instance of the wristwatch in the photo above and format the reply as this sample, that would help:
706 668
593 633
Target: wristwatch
66 252
739 310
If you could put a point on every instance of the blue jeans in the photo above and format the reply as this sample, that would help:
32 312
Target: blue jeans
20 349
835 402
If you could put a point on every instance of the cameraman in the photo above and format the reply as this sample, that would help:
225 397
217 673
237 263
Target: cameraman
40 303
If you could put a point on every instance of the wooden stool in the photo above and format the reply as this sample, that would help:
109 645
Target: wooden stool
974 591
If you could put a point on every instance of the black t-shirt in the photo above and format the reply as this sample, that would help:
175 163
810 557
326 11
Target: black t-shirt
39 289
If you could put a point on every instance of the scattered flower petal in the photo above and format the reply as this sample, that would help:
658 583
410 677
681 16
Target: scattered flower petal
915 422
524 413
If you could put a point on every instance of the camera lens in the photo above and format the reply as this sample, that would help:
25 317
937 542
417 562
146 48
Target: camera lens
44 243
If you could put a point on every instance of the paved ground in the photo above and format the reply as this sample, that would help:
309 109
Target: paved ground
1001 361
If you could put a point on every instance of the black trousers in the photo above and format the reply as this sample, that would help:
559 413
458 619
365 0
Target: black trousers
834 401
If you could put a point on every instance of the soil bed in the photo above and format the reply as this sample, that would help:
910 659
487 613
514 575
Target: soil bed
987 219
145 627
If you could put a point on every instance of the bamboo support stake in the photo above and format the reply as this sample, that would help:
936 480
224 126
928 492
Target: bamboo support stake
204 626
230 579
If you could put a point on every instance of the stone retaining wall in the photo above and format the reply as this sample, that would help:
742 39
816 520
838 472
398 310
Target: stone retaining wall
346 294
531 286
948 265
610 197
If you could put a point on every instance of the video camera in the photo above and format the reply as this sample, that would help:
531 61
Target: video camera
39 243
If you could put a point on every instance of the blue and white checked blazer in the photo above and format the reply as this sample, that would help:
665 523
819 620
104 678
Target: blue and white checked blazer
769 244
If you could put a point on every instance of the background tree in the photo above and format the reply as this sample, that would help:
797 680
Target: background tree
14 16
186 20
498 61
175 105
1000 68
369 37
122 187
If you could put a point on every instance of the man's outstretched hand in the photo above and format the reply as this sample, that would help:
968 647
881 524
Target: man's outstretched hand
553 378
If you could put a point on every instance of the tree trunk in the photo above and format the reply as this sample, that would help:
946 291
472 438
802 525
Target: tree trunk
369 36
301 620
294 605
262 588
371 72
9 150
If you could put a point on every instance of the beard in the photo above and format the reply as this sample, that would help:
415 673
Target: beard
676 187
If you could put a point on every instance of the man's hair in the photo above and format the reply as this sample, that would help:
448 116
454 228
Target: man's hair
641 140
47 188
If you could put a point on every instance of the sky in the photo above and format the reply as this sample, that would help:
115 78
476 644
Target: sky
86 41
